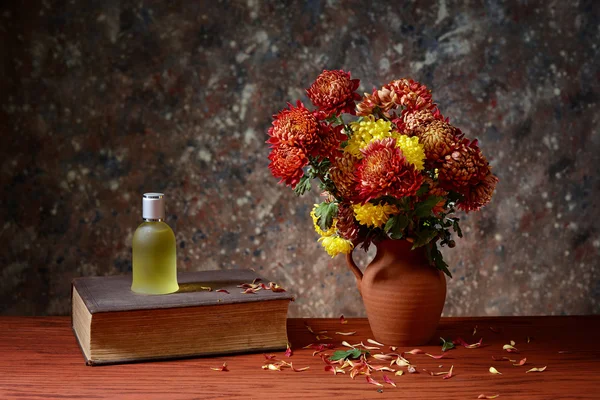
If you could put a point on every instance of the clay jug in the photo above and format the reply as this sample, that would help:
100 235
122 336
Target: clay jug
403 294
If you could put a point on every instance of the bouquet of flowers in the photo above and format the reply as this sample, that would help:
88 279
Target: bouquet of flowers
399 170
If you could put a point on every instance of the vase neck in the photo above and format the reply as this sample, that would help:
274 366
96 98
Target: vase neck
400 248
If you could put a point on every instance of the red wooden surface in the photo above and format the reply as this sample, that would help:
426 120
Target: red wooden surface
39 359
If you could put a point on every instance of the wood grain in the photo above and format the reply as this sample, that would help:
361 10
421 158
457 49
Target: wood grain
40 359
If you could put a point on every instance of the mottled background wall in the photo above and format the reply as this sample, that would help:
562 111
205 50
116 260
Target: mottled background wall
104 100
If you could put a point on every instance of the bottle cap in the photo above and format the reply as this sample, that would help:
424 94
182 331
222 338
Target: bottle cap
153 206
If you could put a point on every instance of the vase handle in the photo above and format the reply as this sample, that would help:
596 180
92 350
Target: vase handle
354 268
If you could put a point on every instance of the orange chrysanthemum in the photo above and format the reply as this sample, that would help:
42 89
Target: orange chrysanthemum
342 175
333 92
439 138
295 126
346 223
464 165
331 138
384 172
402 92
480 194
287 163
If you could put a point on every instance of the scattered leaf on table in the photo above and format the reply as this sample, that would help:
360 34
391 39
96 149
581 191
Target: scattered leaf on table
436 357
222 291
373 381
512 343
376 343
388 380
522 362
536 370
495 371
449 374
345 354
399 373
346 333
206 288
447 344
510 348
343 320
222 368
288 351
415 351
483 396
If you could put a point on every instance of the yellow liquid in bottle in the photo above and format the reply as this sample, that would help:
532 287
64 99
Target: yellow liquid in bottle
154 259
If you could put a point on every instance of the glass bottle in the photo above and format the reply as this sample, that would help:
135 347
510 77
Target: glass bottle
154 250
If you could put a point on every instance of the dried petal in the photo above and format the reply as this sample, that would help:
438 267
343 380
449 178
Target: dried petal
402 362
383 357
510 348
276 288
222 368
343 320
298 369
368 347
415 351
250 291
483 396
495 371
529 339
467 345
412 369
269 356
344 343
346 333
373 381
474 330
393 348
388 381
288 351
309 328
436 357
399 373
334 369
256 280
323 337
206 288
521 363
449 374
512 343
536 370
272 367
384 368
222 291
375 342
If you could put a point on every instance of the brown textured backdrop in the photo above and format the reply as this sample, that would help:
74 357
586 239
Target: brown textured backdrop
104 100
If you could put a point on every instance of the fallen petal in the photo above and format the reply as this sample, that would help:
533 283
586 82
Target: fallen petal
288 351
344 343
323 337
399 373
449 374
206 288
384 368
415 351
222 368
412 369
436 357
272 367
346 333
222 291
512 343
494 329
334 369
474 330
495 371
529 339
309 328
269 356
373 381
522 362
483 396
343 320
388 381
375 342
383 357
536 370
369 347
510 348
298 369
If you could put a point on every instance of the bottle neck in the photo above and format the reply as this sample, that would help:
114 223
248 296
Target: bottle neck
153 220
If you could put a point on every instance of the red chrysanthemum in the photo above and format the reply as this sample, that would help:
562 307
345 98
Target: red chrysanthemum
480 194
342 174
384 172
295 126
402 92
287 163
331 138
333 92
464 165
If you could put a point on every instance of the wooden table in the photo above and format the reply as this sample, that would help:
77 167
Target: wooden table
40 359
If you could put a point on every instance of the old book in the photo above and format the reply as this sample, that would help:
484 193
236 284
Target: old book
115 325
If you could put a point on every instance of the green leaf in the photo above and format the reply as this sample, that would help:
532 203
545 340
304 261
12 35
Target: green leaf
423 237
303 186
437 259
456 228
345 354
424 208
325 213
423 189
394 227
447 344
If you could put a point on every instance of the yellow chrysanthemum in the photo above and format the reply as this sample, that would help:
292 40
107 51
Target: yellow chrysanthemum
364 132
318 229
373 215
411 149
369 129
335 245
